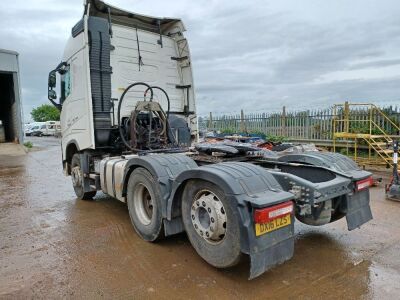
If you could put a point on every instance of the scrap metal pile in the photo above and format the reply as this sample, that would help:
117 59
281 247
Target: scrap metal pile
237 146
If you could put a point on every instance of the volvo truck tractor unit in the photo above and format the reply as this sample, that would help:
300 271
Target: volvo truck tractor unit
128 121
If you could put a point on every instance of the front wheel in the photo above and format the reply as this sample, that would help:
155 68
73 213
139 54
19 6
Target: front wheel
77 179
211 224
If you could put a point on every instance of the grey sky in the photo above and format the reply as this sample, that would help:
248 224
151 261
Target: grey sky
255 55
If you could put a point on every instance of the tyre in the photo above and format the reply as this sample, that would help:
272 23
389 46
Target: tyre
144 204
211 224
338 209
77 179
337 215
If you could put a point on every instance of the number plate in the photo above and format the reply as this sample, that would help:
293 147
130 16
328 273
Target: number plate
273 225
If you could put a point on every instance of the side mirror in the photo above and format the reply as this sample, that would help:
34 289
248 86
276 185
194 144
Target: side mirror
52 94
52 82
52 79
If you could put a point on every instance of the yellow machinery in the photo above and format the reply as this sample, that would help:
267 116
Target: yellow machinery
365 125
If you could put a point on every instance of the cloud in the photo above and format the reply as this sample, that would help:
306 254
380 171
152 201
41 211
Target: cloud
297 62
375 64
256 56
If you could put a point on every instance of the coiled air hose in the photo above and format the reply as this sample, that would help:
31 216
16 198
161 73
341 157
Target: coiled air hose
121 134
168 109
166 96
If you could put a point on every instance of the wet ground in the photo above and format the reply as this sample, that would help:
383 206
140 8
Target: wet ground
54 246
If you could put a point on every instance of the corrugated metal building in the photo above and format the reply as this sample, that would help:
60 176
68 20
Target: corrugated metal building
11 128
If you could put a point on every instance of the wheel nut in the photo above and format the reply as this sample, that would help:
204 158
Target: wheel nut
209 210
212 220
192 217
204 204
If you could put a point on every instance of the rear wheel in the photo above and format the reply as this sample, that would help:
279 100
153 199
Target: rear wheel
211 224
144 204
77 179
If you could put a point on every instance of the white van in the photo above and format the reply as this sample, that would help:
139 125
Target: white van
33 128
44 128
50 128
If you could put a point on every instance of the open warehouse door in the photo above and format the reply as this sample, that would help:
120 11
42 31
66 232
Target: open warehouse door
10 103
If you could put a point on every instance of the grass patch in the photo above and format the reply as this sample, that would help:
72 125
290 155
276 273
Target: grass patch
28 145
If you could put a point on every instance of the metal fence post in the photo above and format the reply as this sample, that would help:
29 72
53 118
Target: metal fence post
283 121
242 122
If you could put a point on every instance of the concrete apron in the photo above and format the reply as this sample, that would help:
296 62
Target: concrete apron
12 149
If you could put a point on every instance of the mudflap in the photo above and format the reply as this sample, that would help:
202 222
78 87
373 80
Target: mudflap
358 209
270 257
271 249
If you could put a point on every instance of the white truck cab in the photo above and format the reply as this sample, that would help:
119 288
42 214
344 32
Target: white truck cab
108 50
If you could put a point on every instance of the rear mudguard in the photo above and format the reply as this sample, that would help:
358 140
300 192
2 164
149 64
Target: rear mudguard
333 161
247 187
164 167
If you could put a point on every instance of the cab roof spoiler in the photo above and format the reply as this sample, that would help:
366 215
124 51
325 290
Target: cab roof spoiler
165 26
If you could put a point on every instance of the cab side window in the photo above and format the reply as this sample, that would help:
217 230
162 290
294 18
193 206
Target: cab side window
65 84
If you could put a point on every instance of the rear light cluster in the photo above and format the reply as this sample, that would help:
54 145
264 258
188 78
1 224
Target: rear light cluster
364 184
265 215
